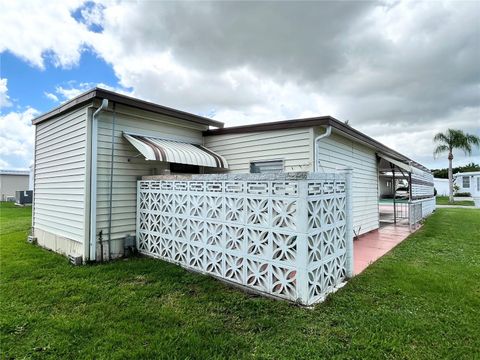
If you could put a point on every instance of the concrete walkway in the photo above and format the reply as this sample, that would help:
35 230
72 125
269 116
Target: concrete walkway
373 245
456 207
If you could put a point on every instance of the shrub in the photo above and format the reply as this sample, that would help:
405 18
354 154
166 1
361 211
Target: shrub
463 194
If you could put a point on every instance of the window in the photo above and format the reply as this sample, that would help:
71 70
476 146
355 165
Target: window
184 169
268 166
466 182
478 183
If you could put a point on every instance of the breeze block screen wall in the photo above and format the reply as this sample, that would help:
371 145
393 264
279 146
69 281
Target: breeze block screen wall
287 235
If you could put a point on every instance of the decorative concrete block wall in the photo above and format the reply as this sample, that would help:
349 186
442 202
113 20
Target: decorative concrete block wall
285 235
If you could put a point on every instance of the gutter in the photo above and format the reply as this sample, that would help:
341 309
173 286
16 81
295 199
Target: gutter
93 182
98 93
327 133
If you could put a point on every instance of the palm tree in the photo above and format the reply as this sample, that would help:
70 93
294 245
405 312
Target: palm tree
450 140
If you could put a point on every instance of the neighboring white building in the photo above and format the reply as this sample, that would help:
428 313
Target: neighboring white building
90 152
468 182
12 181
30 177
441 185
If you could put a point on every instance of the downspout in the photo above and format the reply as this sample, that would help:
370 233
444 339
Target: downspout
93 182
327 133
111 185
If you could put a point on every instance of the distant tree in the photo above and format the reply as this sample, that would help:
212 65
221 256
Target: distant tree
443 173
450 140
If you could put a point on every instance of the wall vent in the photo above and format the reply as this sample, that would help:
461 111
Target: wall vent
32 239
75 259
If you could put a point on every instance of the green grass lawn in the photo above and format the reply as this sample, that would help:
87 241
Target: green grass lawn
443 200
422 300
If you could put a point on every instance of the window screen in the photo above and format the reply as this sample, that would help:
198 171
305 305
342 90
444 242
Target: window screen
270 166
466 181
184 169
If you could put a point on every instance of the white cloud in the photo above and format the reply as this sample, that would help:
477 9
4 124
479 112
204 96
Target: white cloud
74 89
35 30
70 92
17 138
4 98
416 140
51 96
400 71
16 135
93 14
4 164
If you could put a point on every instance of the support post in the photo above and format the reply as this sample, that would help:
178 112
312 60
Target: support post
349 222
394 187
410 201
302 243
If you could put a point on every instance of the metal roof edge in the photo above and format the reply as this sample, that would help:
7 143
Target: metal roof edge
269 126
99 93
15 172
316 121
467 173
63 108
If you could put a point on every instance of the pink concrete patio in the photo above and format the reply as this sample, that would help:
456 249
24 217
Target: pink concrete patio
373 245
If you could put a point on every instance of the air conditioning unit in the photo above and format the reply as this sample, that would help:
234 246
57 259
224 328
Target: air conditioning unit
24 197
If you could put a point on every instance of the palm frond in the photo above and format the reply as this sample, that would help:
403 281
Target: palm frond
441 138
473 139
440 149
455 139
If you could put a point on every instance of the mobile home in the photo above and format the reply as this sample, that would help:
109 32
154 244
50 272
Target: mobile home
468 182
91 151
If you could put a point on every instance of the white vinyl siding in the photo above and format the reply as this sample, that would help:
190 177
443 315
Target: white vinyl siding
60 176
125 173
337 152
292 146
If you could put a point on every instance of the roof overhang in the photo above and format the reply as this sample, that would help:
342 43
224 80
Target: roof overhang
321 121
396 163
401 165
158 149
469 173
15 172
101 94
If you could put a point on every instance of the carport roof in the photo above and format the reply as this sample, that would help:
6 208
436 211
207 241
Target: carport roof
98 93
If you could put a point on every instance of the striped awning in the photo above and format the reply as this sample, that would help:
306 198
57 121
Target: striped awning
154 148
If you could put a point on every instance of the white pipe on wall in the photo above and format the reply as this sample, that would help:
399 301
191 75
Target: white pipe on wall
327 133
93 182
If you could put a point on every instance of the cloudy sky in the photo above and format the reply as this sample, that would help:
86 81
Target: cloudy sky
398 71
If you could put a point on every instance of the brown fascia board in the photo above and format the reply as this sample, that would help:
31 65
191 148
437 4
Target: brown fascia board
98 93
275 125
312 122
